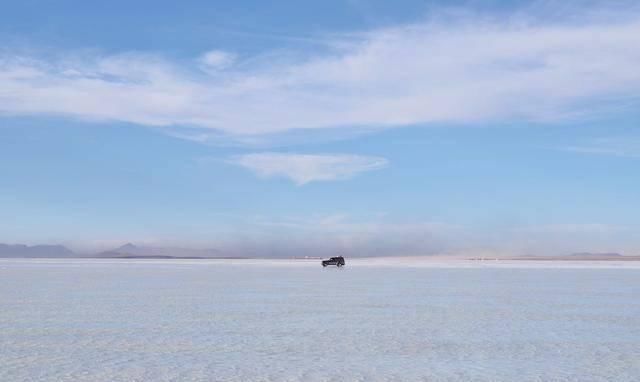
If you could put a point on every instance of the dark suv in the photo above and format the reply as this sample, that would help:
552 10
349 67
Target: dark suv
337 261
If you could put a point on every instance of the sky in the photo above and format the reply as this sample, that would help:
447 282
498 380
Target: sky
308 128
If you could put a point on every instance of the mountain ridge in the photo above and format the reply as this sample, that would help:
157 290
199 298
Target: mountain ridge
35 251
130 250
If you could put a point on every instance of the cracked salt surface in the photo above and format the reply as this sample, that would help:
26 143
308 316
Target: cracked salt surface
225 320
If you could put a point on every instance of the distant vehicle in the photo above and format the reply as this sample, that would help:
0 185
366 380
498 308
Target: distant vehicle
338 261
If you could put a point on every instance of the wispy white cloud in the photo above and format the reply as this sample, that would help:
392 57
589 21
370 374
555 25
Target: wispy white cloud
626 147
574 228
216 60
306 168
469 69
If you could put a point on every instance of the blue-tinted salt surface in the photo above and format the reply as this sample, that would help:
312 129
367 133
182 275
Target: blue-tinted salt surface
90 320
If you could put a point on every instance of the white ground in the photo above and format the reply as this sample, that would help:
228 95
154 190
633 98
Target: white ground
277 320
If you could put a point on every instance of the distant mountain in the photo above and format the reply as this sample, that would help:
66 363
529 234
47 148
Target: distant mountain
35 251
133 251
591 254
127 248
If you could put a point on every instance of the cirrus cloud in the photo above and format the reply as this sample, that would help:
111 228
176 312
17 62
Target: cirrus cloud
306 168
217 59
624 147
471 69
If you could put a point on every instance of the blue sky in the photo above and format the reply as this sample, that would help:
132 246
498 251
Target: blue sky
364 127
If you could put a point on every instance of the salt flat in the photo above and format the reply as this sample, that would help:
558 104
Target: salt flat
281 320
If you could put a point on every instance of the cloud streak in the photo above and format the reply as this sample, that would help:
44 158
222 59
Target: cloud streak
216 60
624 147
471 69
305 168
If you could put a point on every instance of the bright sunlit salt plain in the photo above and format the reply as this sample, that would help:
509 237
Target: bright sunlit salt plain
223 320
